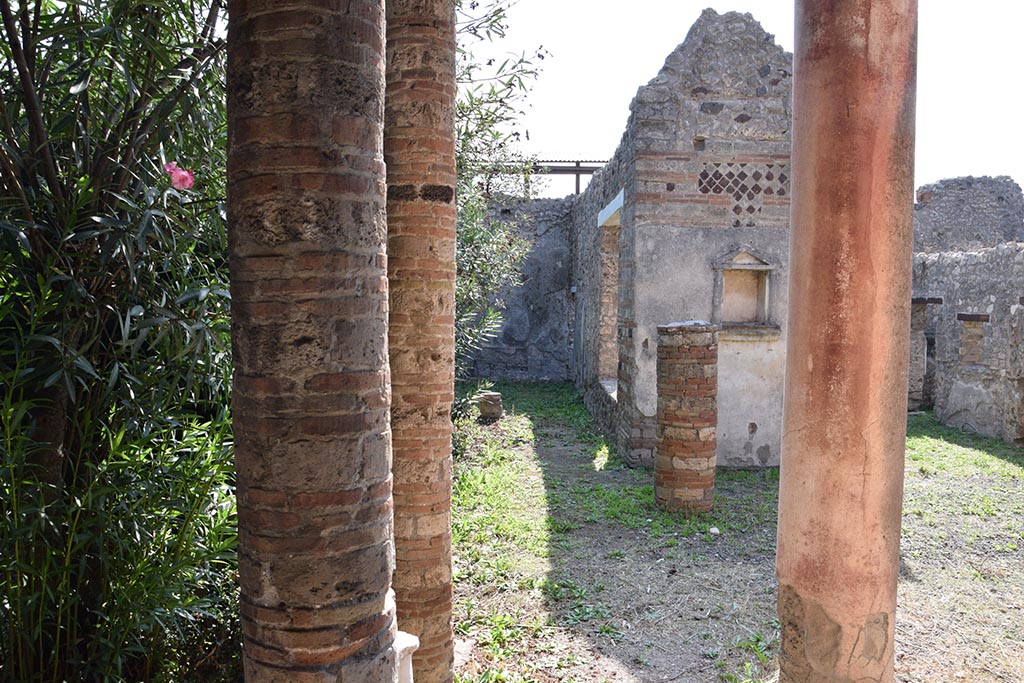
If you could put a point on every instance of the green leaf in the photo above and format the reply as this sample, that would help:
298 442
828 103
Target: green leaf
85 366
198 294
81 85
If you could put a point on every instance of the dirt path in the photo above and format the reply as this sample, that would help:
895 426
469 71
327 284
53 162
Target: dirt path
567 572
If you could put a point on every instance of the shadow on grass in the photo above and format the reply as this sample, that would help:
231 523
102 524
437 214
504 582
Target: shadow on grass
567 571
961 556
625 588
961 449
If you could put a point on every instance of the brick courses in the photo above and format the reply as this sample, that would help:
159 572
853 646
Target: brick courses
684 461
419 148
311 403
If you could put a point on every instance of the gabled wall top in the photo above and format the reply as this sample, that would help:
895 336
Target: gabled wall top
727 55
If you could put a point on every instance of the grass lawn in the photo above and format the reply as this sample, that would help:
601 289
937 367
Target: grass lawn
566 571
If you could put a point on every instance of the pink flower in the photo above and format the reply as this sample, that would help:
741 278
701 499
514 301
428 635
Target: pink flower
180 178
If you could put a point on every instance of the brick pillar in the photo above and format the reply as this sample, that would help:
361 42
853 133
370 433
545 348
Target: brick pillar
918 354
684 462
419 148
844 420
608 322
309 331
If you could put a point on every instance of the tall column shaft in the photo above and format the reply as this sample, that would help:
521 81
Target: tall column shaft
846 378
419 148
306 201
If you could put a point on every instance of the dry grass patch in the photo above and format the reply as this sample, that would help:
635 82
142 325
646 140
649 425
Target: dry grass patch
566 571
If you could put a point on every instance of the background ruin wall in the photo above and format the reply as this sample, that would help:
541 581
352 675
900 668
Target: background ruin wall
697 193
701 176
968 315
962 214
535 342
977 377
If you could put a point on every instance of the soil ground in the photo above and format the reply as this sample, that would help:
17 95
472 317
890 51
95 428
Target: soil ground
566 571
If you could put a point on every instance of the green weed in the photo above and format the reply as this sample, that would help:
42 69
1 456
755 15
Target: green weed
936 448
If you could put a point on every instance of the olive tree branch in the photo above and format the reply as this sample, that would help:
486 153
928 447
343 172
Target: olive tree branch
31 101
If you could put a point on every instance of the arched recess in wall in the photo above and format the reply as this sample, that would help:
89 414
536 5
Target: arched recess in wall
609 221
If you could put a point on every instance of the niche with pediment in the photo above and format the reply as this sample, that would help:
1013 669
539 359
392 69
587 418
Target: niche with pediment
743 280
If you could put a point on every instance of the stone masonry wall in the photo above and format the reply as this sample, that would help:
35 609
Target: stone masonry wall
535 341
702 169
615 414
712 163
961 214
979 336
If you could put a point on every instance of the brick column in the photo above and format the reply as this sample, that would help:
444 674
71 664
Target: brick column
419 148
684 462
918 354
309 331
608 322
844 420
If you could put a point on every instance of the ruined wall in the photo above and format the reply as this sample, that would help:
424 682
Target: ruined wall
961 214
695 206
703 172
591 249
535 342
697 189
966 356
978 336
713 149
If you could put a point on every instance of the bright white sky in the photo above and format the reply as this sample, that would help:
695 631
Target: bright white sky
970 104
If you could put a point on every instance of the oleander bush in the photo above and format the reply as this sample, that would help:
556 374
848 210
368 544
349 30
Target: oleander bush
115 470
